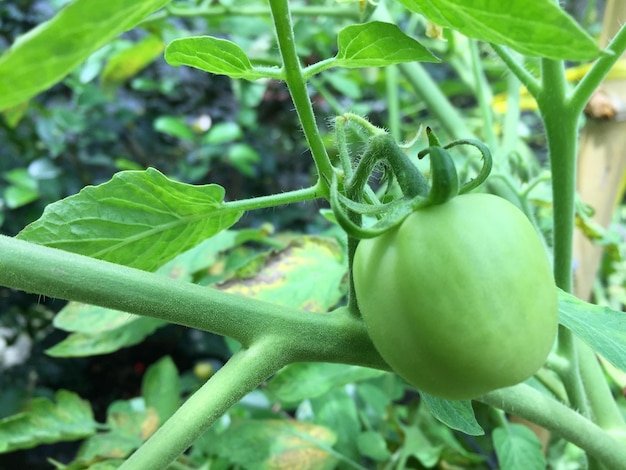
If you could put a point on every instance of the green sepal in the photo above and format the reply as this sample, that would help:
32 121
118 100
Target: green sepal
382 147
445 181
394 213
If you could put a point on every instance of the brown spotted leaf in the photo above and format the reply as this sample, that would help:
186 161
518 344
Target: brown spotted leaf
307 274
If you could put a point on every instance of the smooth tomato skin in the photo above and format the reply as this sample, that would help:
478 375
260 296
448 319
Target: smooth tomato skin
460 298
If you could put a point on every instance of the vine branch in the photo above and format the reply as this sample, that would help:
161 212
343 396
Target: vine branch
332 337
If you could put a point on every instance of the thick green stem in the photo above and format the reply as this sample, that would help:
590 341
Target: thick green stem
297 87
245 371
332 337
522 400
561 124
562 134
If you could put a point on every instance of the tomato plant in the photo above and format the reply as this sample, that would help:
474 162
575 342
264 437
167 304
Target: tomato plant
454 292
459 299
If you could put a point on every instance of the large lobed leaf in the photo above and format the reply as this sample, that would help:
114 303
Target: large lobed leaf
46 54
140 219
532 27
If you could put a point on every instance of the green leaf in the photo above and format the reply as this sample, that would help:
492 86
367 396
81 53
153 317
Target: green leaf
18 196
259 445
301 381
600 327
43 422
129 62
518 448
89 344
419 446
140 219
307 274
458 415
47 53
430 441
533 27
129 425
337 410
372 444
212 55
161 388
175 127
378 44
223 132
243 157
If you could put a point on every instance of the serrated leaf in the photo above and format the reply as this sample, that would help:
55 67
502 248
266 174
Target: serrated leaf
307 274
533 27
161 388
301 381
518 448
257 445
44 422
600 327
139 218
377 44
213 55
44 55
456 414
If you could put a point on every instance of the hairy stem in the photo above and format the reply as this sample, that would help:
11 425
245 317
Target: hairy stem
273 200
332 337
244 371
299 94
526 402
561 123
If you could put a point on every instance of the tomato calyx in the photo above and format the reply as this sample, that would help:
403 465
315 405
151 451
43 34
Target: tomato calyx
352 199
444 175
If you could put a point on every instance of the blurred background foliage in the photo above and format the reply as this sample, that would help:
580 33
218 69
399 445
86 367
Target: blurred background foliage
125 108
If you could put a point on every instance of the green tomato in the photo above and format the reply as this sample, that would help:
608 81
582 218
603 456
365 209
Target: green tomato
460 298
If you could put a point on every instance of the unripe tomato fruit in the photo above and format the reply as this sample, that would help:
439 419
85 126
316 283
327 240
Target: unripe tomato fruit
460 298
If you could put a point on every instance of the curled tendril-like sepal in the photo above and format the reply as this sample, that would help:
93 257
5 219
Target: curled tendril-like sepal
484 171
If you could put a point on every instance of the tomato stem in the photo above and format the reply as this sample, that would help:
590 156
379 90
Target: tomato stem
296 84
526 402
243 372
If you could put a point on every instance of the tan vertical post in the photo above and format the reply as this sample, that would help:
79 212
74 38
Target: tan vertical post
601 158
